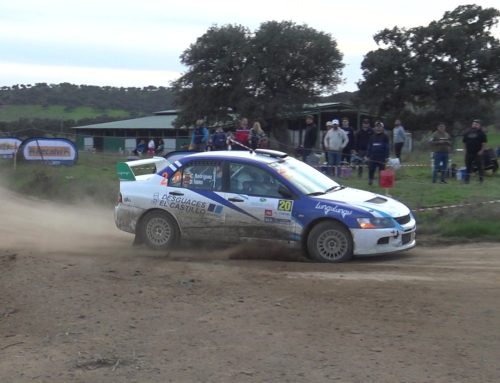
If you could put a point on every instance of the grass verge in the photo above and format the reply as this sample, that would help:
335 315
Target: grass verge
94 178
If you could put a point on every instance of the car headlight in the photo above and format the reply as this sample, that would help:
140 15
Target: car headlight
375 223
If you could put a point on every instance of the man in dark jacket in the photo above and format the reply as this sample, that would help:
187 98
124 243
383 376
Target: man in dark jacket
377 152
199 137
363 137
475 141
347 151
219 139
309 137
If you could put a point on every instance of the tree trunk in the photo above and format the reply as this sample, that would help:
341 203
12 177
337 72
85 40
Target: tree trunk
279 137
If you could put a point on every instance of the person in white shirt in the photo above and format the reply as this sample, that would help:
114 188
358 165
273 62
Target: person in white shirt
335 140
151 147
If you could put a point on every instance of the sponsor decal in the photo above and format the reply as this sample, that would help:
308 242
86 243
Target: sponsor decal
11 146
333 209
164 179
213 208
262 199
124 172
199 179
279 221
52 150
156 198
183 204
49 151
8 146
268 213
285 205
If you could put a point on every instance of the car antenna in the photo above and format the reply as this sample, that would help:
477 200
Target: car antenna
233 141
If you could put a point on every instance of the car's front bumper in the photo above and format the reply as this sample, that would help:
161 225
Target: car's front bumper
381 241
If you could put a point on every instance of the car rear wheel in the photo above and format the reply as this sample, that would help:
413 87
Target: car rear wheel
329 241
158 230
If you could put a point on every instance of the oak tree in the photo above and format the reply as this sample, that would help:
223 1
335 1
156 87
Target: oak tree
447 71
264 74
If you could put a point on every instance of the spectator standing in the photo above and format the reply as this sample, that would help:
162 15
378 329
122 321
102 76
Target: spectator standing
348 149
230 140
441 146
335 141
242 135
363 137
399 138
151 147
475 141
161 147
310 137
219 139
199 138
377 152
257 135
140 148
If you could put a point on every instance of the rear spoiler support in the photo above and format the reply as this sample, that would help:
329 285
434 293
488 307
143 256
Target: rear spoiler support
125 171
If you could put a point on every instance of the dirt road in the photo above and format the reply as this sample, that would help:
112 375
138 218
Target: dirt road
79 304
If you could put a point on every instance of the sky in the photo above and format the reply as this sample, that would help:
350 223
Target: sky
133 43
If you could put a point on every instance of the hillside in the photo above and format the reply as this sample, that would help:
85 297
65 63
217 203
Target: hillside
36 109
10 113
134 100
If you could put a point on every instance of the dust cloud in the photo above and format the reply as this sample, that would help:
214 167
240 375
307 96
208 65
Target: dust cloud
36 225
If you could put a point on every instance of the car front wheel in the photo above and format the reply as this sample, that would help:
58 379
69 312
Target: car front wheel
330 241
158 230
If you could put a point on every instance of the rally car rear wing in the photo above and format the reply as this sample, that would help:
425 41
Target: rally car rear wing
125 169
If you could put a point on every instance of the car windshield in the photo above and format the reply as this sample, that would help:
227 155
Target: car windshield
304 177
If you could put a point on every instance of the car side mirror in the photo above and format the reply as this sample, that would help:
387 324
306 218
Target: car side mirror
284 192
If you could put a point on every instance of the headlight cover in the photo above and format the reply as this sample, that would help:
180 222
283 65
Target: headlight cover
375 223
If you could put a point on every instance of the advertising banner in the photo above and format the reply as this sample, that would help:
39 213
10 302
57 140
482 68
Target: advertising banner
55 151
8 146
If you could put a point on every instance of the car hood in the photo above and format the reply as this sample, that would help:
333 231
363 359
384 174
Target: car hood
365 200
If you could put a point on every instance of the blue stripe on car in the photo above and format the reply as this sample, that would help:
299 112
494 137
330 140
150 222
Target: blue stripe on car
386 215
217 198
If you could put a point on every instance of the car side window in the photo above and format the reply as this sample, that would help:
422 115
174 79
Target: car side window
252 180
199 175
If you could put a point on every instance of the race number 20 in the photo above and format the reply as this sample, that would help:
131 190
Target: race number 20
285 205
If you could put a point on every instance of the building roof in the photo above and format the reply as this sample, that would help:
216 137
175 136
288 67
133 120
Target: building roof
332 107
163 121
167 112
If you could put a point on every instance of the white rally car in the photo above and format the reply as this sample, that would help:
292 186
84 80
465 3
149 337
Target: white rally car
262 195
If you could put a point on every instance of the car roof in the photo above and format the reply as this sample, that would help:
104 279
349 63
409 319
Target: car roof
263 156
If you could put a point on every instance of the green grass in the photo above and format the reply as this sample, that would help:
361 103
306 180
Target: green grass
413 186
461 225
493 138
94 178
15 112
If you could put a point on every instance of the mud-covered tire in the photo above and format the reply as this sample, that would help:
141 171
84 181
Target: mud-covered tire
158 230
329 241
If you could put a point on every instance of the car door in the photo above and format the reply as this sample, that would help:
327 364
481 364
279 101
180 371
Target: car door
194 196
258 208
